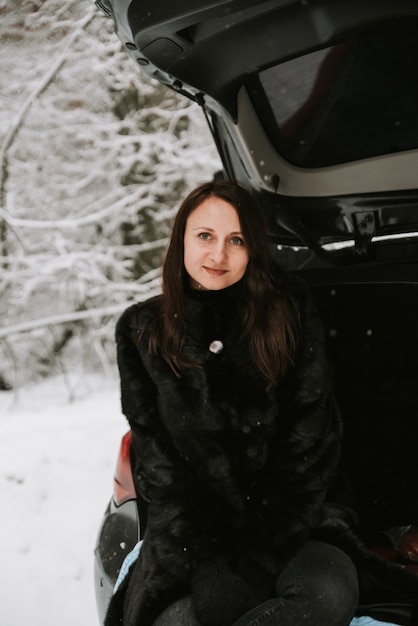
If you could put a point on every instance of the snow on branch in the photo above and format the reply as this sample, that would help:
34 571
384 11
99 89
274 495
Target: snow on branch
72 317
73 222
38 89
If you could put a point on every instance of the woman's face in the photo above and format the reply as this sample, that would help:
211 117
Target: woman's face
215 253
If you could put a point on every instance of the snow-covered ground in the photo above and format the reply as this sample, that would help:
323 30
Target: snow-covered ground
56 467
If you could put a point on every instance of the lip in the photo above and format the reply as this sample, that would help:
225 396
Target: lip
214 272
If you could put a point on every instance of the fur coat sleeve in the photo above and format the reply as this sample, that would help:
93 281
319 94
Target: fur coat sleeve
229 471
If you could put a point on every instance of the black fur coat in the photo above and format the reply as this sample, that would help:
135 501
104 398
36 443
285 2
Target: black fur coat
235 477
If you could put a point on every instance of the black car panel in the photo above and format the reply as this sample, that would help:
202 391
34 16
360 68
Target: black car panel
191 40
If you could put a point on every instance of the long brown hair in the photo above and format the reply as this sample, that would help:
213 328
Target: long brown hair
269 319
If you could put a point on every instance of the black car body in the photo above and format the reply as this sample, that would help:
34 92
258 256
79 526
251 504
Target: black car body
313 105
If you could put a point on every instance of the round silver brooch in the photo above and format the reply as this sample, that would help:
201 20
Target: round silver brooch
216 346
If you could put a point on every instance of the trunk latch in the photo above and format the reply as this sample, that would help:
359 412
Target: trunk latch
365 223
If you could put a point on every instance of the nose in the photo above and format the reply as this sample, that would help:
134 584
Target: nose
218 253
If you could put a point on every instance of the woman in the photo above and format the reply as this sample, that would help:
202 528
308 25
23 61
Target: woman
236 434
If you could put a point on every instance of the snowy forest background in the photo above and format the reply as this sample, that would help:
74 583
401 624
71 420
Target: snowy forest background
94 159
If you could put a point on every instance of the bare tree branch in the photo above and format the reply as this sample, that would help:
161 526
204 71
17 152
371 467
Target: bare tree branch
36 92
69 318
18 121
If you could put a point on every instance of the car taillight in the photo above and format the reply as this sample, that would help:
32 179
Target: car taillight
123 482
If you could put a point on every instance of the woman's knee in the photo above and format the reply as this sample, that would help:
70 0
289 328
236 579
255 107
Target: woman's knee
180 612
325 576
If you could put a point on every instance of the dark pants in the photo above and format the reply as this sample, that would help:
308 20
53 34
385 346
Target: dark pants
319 587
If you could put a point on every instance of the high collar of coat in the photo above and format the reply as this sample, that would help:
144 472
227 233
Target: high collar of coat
211 315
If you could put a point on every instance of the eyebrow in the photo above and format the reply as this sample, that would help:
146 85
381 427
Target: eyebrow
211 230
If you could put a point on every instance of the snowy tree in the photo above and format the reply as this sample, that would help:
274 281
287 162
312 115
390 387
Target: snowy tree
95 158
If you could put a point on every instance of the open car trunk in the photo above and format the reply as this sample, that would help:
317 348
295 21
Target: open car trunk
313 105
